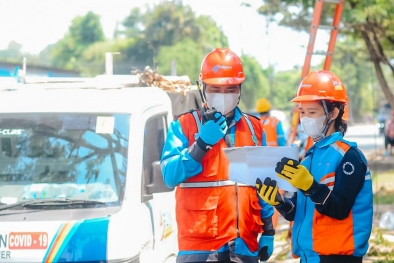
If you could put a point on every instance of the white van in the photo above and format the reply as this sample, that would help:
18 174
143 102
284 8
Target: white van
80 179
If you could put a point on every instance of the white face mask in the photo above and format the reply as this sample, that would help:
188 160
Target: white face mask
314 127
223 102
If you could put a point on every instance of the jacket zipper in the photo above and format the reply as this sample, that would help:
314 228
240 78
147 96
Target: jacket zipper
305 204
298 234
236 209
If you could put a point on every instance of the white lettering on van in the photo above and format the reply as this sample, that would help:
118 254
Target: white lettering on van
27 240
22 240
3 241
10 131
4 254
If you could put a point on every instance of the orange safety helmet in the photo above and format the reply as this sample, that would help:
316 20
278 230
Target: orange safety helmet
222 67
321 85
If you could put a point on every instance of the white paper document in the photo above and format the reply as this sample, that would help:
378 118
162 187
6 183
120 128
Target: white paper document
251 162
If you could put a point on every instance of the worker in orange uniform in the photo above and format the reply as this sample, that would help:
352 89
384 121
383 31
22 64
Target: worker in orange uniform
272 126
218 220
332 209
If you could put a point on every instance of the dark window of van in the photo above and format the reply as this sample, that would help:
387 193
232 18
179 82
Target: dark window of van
63 155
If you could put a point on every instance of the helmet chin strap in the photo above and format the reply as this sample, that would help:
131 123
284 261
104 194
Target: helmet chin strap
329 121
240 90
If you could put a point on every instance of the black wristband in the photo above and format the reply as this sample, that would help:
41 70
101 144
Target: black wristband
268 226
311 189
196 152
204 146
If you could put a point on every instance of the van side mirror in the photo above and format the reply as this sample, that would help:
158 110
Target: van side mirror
157 184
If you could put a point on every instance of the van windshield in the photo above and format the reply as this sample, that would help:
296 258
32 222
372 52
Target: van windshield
63 155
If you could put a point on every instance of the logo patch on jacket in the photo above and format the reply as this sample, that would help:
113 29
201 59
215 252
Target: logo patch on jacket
348 168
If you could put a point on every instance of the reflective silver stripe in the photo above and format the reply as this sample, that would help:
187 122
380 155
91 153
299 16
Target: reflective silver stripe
328 180
210 184
254 138
197 119
207 184
368 177
339 149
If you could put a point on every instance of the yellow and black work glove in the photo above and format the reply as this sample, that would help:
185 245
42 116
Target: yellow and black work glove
296 174
268 191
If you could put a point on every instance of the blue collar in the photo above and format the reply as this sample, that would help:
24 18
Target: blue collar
236 117
336 136
237 114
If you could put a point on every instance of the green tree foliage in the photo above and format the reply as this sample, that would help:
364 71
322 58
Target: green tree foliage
83 32
86 30
188 57
351 64
13 53
285 85
134 24
371 21
170 22
256 84
211 35
164 28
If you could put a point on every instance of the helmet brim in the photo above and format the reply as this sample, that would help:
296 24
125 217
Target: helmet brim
224 81
304 98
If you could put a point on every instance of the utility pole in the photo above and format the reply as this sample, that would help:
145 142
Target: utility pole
109 62
173 67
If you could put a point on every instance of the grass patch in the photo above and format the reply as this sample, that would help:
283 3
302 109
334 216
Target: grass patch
383 180
383 187
380 247
383 199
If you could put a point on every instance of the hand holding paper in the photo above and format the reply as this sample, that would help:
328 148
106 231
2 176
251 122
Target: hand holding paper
268 191
251 162
294 173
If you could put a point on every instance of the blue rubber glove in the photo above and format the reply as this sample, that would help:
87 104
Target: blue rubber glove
212 131
266 247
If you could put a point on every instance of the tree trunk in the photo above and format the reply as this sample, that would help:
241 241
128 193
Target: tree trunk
376 59
383 83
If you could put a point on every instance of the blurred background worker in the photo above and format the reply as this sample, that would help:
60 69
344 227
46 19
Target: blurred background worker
389 135
218 219
272 126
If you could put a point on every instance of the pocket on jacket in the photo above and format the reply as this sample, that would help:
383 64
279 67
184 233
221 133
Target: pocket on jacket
332 236
199 218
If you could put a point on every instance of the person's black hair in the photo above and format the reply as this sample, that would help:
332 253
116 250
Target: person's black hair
340 124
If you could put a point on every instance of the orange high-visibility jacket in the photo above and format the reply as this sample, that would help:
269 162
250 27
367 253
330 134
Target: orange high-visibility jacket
270 123
210 210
